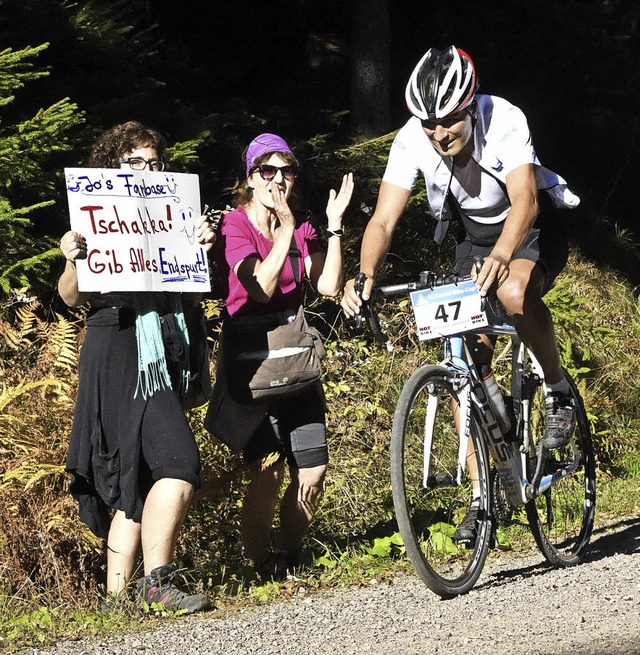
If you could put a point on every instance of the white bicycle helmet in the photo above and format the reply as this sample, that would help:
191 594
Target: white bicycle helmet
443 82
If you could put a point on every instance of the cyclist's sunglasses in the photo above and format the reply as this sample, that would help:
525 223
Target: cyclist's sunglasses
268 172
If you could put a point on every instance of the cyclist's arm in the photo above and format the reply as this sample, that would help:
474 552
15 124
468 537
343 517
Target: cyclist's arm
523 196
392 201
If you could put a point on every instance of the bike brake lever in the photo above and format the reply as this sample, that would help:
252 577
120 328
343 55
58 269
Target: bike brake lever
477 264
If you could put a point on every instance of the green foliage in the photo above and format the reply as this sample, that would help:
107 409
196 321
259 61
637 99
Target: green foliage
45 553
387 546
26 148
16 70
25 152
441 538
27 270
184 153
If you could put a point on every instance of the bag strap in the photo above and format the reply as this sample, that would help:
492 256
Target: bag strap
294 256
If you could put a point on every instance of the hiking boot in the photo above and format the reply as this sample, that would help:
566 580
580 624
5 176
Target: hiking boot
467 531
159 587
279 564
559 420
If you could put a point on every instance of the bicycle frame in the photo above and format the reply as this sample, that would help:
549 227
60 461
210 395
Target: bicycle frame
508 458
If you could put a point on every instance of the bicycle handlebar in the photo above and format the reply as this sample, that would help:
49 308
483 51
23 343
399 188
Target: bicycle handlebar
426 280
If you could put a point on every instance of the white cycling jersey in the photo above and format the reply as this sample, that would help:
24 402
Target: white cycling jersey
502 142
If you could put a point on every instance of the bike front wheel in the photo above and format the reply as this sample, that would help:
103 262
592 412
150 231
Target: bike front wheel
561 518
434 482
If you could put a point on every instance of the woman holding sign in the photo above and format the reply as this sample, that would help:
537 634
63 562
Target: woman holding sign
264 251
133 459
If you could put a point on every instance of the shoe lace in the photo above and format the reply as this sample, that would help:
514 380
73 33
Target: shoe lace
166 585
470 517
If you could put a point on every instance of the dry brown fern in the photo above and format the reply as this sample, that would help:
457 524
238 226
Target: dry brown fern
23 320
60 344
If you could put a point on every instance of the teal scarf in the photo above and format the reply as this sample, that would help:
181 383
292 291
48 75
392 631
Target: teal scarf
153 374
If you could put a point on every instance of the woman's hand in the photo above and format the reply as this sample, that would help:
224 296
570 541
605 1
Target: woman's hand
205 232
73 246
338 202
281 206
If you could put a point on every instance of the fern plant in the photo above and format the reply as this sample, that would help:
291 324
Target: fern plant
39 531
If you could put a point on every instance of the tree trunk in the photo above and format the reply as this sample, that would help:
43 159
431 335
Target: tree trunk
370 68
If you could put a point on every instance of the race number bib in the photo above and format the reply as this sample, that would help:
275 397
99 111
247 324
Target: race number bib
447 310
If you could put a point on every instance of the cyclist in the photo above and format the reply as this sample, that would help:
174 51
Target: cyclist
477 158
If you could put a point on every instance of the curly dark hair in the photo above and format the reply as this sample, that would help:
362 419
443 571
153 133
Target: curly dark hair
121 139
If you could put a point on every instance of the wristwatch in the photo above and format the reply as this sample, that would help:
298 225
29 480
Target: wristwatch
336 233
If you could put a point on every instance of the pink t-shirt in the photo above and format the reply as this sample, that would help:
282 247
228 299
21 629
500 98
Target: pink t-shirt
239 239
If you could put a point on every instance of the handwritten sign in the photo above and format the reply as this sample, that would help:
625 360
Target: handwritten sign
140 228
448 309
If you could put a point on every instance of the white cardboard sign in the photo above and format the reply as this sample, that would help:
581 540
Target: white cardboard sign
140 228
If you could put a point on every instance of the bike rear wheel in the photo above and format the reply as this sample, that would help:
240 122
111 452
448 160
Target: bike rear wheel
561 518
432 486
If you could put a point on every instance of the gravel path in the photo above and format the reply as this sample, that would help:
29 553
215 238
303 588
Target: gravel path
519 605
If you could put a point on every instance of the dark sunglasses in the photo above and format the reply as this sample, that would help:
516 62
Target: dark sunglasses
268 172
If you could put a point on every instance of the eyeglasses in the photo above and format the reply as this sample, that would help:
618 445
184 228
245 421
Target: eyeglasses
140 163
268 172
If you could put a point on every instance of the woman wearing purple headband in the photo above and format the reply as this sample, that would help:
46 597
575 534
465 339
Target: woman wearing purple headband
257 278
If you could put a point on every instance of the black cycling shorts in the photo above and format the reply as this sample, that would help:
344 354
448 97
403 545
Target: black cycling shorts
547 245
293 429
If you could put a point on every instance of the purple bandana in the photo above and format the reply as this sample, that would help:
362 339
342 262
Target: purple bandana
263 144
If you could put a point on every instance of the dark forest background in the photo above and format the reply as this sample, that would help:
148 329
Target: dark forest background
327 76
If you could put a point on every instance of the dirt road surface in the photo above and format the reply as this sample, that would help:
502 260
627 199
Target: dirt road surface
520 605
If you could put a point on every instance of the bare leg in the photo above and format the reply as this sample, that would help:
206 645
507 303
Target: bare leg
162 517
258 510
471 451
299 503
521 295
123 545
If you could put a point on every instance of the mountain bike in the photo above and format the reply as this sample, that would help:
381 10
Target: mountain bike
448 451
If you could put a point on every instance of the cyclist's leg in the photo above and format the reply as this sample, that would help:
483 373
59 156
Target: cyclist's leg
521 295
532 271
530 275
481 348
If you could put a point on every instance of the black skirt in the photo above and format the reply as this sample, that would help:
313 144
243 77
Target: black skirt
121 444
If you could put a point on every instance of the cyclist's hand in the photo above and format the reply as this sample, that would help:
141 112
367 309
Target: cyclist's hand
351 302
494 271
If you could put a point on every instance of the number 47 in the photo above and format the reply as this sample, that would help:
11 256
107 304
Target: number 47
441 312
